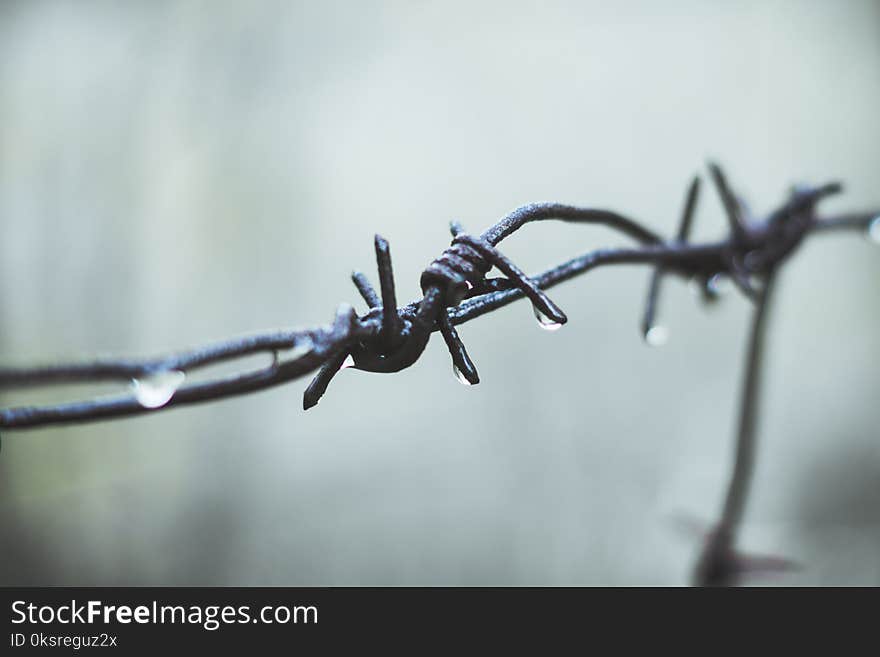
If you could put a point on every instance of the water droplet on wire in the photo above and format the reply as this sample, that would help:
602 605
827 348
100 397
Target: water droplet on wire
874 230
545 322
156 390
460 377
718 285
656 336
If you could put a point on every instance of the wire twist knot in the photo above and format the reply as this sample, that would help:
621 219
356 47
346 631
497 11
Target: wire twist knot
459 268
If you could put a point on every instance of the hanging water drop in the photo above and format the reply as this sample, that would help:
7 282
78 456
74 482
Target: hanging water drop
156 390
348 362
459 375
874 230
545 322
656 336
718 285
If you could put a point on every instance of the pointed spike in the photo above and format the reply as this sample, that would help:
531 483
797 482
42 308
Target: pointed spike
830 189
391 323
368 294
690 205
346 318
460 358
717 173
470 372
684 230
310 400
318 386
651 302
824 191
550 309
728 200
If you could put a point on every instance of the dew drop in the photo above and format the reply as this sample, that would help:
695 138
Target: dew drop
348 362
156 390
459 375
656 336
874 230
545 322
718 285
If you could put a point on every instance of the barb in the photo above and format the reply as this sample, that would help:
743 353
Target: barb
455 291
684 231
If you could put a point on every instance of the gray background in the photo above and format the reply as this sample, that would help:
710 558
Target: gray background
172 173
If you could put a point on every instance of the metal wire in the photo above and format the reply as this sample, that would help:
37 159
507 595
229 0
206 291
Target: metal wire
455 289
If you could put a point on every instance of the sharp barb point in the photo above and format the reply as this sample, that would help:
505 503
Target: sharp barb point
464 366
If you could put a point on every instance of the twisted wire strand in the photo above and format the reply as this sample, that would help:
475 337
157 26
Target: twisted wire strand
455 290
389 338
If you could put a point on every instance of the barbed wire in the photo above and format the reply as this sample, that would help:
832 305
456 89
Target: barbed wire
456 290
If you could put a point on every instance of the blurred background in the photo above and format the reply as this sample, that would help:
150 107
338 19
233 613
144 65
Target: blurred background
177 172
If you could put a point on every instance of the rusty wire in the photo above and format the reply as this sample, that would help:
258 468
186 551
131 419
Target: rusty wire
456 290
